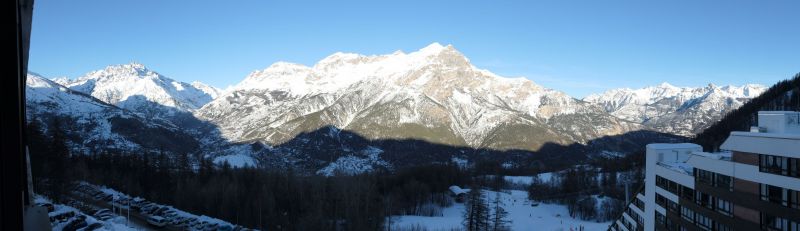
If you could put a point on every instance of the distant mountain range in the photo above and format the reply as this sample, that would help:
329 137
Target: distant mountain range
677 110
294 115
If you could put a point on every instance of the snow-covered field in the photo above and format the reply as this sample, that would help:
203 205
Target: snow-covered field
522 216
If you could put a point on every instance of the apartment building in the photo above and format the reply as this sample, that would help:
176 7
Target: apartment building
753 184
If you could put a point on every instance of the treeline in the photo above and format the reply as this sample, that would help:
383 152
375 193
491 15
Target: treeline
483 215
590 192
783 96
255 198
285 200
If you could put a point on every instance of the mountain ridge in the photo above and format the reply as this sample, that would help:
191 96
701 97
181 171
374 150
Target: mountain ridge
116 84
678 110
433 93
360 111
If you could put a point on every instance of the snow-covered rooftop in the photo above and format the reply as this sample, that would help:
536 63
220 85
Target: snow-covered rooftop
681 167
717 156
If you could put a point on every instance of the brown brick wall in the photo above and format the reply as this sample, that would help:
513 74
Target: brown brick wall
745 213
745 158
745 186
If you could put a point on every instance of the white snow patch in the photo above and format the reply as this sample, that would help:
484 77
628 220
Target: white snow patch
522 216
237 160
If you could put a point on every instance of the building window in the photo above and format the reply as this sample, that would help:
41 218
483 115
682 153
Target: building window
687 193
724 207
673 187
703 222
779 165
724 181
639 203
660 219
704 176
722 227
660 200
687 214
714 179
781 196
668 185
673 207
770 222
705 200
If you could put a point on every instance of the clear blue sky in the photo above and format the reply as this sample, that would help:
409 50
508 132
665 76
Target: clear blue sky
576 47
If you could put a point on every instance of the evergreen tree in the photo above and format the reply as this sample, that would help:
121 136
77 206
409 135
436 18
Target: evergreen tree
37 148
500 215
476 213
58 179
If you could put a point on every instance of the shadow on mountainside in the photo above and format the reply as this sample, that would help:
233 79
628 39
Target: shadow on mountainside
320 147
181 132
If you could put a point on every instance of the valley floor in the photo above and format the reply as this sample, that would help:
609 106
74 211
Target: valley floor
522 216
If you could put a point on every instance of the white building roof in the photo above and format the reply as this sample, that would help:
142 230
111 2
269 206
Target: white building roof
778 144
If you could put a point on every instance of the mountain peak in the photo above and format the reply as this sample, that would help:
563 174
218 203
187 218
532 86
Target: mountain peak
134 69
665 85
280 68
134 86
433 47
436 48
337 58
130 66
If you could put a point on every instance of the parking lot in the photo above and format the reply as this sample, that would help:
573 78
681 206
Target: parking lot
100 203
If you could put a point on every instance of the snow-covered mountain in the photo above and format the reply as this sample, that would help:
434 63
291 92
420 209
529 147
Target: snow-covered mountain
351 113
433 94
211 91
133 86
678 110
94 126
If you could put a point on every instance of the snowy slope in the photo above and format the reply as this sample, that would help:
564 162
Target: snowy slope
433 94
94 125
677 110
211 91
521 214
132 86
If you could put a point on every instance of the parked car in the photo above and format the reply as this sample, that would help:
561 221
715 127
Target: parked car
225 228
174 221
200 225
50 207
137 205
103 214
150 208
169 213
75 225
101 211
190 221
62 216
156 221
92 227
160 211
211 227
